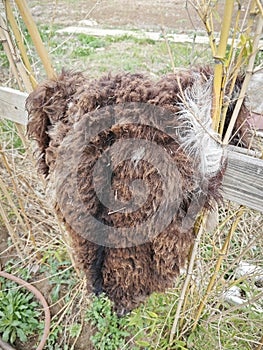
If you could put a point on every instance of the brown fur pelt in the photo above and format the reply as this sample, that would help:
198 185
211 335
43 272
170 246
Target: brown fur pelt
59 111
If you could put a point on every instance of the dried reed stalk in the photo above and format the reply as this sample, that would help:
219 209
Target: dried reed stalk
22 78
13 235
240 59
24 222
19 40
207 19
190 268
222 255
23 73
260 345
260 8
17 68
5 39
249 71
33 31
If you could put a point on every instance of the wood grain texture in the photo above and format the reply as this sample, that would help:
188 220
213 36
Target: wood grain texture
12 105
243 180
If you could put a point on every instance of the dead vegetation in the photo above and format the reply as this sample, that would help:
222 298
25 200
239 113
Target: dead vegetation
224 303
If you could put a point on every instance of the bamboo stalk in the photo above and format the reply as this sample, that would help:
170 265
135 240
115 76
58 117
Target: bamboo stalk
210 32
188 277
20 75
219 63
246 80
20 44
239 60
217 267
184 306
260 8
33 31
212 39
20 71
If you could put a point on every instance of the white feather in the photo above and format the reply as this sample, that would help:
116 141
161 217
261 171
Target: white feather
197 137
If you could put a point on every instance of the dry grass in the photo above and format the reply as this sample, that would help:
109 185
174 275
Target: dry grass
37 248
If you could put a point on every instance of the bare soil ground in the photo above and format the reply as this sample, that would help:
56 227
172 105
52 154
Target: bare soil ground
178 15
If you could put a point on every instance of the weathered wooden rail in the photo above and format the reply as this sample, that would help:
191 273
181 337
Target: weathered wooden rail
243 180
12 105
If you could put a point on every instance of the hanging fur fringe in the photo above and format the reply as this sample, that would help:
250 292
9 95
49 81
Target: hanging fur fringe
79 123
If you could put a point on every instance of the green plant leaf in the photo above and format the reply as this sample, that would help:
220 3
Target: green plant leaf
143 343
243 39
18 314
152 314
13 335
21 335
6 335
15 323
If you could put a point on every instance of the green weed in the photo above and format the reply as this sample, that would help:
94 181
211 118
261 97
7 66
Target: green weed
122 53
3 59
7 132
18 314
111 331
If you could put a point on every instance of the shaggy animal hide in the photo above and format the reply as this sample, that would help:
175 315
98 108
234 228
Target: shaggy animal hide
64 111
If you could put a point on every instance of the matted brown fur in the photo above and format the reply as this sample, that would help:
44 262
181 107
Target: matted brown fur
126 275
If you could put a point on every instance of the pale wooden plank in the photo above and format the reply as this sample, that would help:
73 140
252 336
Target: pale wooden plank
12 105
243 180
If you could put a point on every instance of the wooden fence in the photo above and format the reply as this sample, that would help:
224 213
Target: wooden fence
243 179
